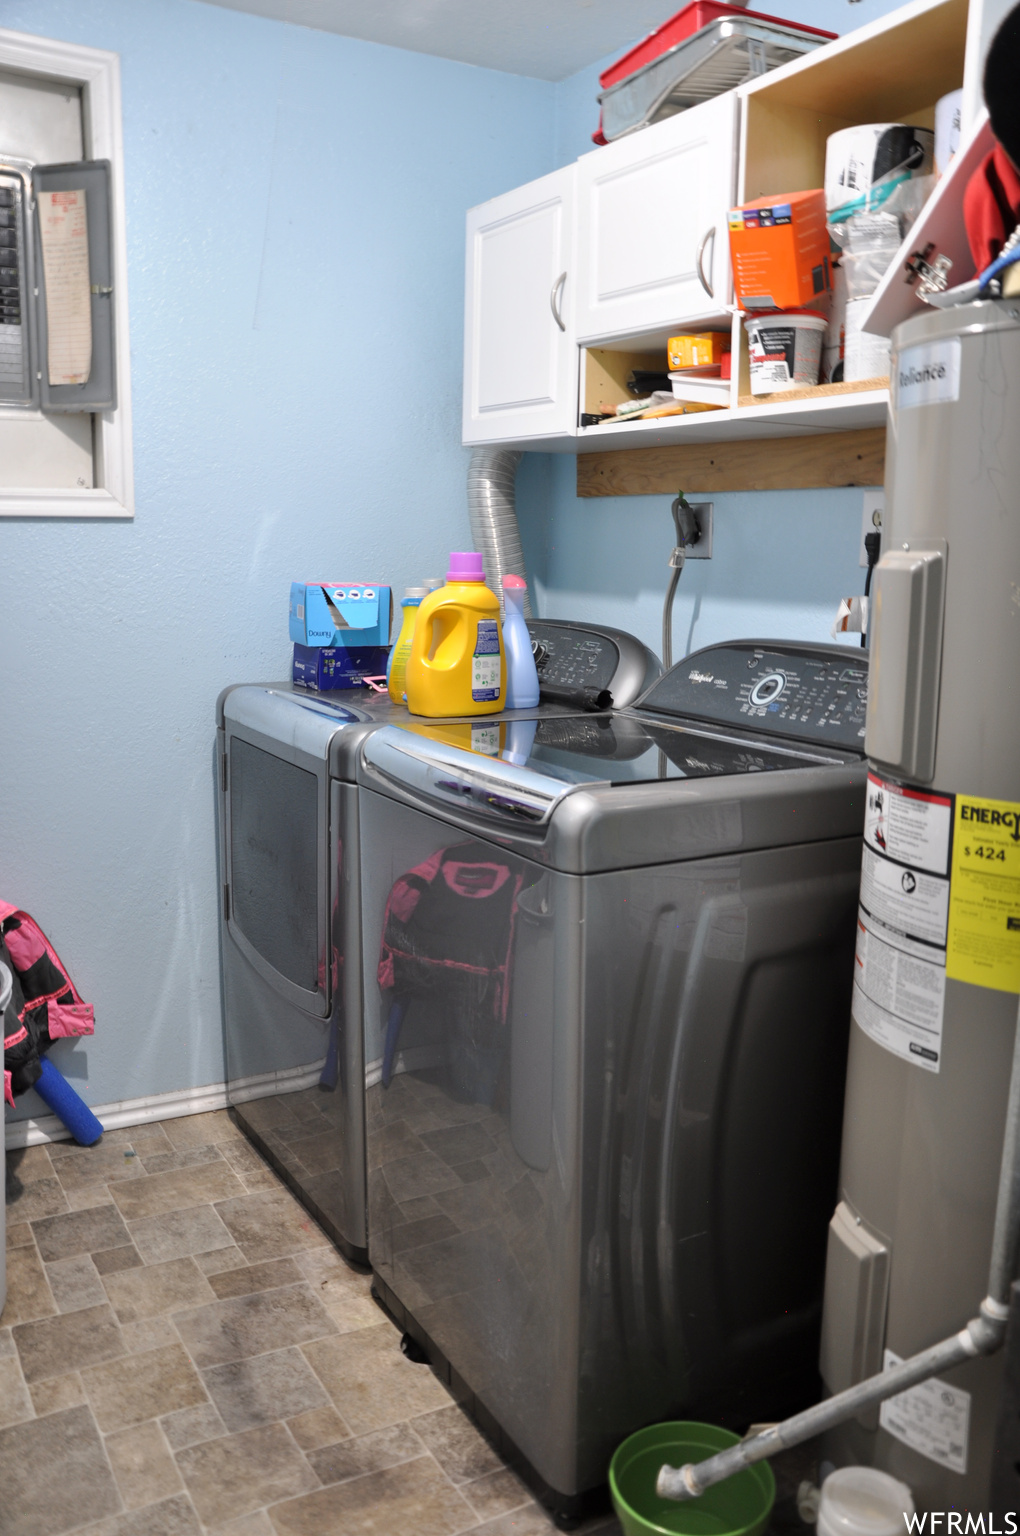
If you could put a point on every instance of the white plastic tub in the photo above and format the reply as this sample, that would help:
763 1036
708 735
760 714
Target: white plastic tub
860 1501
785 350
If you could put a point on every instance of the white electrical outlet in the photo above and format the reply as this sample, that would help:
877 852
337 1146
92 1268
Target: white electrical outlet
872 513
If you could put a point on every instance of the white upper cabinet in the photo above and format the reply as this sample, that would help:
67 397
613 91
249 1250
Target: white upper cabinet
652 224
520 355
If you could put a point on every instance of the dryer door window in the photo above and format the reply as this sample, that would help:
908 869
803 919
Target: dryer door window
276 851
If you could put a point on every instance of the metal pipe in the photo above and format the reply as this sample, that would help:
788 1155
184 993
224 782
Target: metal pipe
1006 1232
983 1335
492 512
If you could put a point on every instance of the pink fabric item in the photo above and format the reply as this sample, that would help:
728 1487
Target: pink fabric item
26 945
30 941
71 1019
8 1095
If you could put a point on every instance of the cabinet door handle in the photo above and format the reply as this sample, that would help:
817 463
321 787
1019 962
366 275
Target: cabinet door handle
699 260
557 289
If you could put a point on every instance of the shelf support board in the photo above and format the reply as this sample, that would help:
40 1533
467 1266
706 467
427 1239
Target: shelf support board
755 464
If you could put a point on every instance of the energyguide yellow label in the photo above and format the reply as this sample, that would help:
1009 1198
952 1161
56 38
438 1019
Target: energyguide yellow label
983 940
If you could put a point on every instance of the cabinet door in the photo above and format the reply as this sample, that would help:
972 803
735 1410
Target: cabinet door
520 358
646 204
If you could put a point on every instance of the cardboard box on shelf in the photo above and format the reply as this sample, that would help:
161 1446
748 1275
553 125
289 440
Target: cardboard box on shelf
701 351
779 247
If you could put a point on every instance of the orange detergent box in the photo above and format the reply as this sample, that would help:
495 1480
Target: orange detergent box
779 248
702 351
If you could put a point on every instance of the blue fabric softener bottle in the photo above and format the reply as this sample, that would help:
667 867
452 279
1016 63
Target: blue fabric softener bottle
521 673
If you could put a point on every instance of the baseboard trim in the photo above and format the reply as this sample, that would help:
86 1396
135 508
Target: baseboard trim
164 1106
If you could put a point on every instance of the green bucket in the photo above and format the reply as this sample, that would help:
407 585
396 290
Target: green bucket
740 1506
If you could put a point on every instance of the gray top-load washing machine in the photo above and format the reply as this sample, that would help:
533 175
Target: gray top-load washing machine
290 908
607 975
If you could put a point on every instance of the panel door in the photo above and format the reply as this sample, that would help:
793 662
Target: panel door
520 369
652 224
276 900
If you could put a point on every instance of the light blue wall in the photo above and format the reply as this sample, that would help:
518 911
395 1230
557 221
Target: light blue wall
782 560
295 207
295 210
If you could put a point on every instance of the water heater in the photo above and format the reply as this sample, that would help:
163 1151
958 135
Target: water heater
937 968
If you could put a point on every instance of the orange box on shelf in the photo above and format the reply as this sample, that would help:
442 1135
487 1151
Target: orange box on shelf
779 248
701 351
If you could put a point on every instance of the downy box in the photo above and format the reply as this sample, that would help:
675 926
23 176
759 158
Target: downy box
779 247
347 613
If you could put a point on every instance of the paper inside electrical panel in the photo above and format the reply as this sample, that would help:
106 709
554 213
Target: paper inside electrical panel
63 230
900 964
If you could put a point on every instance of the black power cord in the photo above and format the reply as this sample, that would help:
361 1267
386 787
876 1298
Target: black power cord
872 546
685 522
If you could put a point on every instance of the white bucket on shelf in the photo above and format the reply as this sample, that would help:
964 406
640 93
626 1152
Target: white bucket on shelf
785 350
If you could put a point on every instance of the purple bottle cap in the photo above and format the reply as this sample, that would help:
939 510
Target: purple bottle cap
465 565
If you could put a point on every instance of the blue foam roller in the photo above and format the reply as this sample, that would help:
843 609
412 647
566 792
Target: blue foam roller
52 1086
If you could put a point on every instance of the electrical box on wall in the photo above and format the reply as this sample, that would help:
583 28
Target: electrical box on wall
56 287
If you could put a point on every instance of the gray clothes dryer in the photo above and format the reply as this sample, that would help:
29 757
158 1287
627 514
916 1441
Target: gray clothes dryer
607 970
290 908
290 939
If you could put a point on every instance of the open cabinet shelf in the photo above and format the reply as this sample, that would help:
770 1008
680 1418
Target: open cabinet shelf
893 69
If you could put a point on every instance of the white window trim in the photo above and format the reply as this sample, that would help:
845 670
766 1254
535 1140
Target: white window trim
97 73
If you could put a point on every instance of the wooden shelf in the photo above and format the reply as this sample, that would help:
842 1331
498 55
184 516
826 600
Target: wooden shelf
818 392
785 463
781 416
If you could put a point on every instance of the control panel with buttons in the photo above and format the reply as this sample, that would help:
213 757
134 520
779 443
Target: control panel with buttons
573 659
813 693
590 658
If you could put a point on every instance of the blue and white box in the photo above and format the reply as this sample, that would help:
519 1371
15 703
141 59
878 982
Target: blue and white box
340 613
337 666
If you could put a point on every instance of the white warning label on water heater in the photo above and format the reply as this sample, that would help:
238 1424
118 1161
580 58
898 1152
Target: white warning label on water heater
932 1418
900 963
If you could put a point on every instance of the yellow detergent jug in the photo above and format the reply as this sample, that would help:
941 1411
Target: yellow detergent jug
457 665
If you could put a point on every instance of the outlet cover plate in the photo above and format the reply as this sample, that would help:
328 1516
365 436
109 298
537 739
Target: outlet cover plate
704 512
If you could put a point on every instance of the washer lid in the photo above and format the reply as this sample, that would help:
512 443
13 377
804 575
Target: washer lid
518 771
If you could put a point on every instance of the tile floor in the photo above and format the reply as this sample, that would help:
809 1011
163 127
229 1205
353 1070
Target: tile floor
184 1351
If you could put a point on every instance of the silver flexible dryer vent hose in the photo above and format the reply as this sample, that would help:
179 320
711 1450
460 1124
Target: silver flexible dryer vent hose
492 511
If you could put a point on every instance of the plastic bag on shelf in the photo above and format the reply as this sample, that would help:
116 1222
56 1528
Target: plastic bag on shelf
872 241
898 193
871 228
